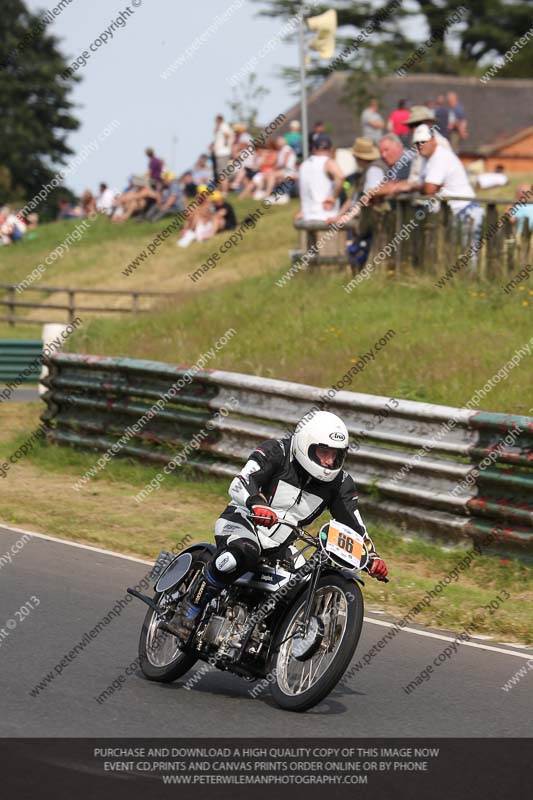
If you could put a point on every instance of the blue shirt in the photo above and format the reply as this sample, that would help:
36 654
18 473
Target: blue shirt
521 214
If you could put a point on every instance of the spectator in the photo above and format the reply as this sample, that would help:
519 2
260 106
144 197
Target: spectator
398 163
519 213
68 211
265 163
135 201
243 152
490 180
294 137
222 143
195 227
12 227
188 184
420 115
284 169
202 172
372 123
457 124
224 213
318 130
396 122
105 199
445 176
321 181
369 175
88 203
169 201
155 168
442 116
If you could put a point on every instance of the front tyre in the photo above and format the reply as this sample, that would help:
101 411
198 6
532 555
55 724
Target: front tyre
301 683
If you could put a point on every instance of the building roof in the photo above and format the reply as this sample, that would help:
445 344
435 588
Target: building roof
498 110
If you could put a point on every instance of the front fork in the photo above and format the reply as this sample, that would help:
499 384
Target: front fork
303 625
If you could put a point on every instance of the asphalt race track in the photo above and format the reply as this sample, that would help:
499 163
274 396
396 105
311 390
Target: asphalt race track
76 587
22 395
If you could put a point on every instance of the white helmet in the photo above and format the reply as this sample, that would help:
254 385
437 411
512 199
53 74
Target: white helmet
325 429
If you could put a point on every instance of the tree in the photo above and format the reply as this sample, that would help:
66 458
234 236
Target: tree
246 98
35 109
486 30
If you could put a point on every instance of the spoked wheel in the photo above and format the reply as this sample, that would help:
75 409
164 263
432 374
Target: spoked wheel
308 667
161 655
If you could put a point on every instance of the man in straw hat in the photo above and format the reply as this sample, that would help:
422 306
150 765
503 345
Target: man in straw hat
369 177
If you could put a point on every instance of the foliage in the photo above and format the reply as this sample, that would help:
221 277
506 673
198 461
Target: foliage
35 109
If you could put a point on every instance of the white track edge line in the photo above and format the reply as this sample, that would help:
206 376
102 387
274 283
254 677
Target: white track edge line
74 544
449 638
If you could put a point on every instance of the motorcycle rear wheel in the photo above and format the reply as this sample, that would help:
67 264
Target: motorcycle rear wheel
161 656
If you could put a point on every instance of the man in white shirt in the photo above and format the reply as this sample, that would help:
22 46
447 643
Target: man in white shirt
222 143
445 176
421 115
321 182
105 199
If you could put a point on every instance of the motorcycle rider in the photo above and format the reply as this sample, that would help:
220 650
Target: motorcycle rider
294 478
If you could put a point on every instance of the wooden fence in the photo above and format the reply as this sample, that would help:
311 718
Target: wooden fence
70 306
407 241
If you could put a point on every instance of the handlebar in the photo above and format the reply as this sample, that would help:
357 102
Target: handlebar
307 535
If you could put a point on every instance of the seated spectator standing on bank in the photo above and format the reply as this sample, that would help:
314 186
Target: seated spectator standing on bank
105 199
491 180
198 226
243 153
188 185
445 176
396 122
224 213
372 123
155 168
522 211
397 165
12 227
294 137
68 211
265 163
321 181
369 177
284 171
202 172
169 201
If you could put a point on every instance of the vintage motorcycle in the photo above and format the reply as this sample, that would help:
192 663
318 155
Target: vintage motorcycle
293 622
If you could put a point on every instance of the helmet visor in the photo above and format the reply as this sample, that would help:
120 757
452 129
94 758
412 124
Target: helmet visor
326 456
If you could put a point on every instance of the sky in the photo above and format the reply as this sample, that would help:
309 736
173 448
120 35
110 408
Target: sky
122 79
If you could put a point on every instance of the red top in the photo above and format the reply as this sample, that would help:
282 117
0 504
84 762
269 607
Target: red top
398 119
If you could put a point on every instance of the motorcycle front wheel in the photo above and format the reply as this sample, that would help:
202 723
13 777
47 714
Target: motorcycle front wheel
308 668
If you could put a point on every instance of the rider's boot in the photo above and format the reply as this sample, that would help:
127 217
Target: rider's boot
204 589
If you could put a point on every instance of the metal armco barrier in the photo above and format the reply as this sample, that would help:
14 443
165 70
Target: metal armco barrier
114 393
16 355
